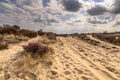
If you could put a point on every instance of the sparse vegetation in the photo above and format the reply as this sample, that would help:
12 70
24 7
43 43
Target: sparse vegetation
28 33
40 32
46 41
3 45
51 36
111 38
35 49
16 27
89 40
8 30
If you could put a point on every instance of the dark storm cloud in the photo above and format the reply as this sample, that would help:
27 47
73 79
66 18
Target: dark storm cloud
97 10
116 5
71 5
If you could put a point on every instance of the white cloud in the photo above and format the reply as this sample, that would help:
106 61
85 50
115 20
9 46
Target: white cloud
31 14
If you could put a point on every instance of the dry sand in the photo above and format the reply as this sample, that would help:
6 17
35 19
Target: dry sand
74 59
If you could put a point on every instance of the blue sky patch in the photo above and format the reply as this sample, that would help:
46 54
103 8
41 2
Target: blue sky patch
98 0
45 2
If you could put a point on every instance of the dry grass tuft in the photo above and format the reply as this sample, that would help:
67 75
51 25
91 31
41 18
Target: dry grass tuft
51 36
26 63
3 45
47 41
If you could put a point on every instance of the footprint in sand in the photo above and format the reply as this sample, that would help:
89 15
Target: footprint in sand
26 75
84 78
110 69
67 65
31 76
79 71
53 74
68 79
20 75
6 76
1 70
67 72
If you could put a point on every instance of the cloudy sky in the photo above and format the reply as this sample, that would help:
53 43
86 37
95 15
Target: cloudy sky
62 16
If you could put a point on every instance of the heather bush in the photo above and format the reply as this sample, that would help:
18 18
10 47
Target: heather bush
9 30
111 38
35 49
40 32
6 29
28 33
16 27
51 36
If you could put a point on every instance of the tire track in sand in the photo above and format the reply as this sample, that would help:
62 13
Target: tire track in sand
98 71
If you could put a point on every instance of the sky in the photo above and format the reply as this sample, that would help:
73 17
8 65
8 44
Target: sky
62 16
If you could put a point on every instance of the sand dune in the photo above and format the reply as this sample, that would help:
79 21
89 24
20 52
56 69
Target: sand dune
74 59
6 55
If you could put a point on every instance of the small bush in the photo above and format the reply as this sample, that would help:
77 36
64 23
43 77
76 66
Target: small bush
51 36
10 30
35 49
16 27
40 32
7 30
28 33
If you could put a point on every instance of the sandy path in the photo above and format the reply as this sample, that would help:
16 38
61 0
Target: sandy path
6 55
78 60
96 68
